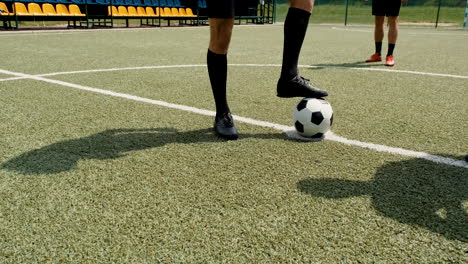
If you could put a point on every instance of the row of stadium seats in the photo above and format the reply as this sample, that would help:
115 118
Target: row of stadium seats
141 11
160 3
34 9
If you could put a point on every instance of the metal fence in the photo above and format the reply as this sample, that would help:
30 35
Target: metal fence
437 13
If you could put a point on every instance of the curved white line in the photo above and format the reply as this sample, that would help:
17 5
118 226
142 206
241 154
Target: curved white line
287 129
241 65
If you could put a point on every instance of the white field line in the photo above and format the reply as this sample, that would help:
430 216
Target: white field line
238 65
404 32
287 129
353 30
45 32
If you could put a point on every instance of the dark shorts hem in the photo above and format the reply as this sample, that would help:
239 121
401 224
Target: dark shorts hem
221 8
386 7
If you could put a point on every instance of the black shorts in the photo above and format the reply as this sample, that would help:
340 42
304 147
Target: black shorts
221 8
385 7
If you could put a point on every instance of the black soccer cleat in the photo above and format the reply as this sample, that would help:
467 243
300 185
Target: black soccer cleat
298 87
224 127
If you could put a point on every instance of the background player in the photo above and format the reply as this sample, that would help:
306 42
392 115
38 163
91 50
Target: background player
380 9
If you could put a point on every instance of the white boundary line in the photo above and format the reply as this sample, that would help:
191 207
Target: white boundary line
61 31
403 32
237 65
352 28
287 129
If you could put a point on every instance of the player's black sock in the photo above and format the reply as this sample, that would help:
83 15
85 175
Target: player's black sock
295 28
391 47
217 70
378 47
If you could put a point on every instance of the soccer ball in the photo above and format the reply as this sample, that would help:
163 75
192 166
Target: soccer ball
313 117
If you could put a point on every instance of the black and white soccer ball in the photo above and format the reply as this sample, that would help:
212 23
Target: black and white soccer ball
313 117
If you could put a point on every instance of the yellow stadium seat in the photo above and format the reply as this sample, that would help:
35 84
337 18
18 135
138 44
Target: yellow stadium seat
167 12
150 11
35 9
159 11
5 9
141 11
182 12
132 11
75 10
189 12
114 12
62 10
48 10
20 9
123 11
175 12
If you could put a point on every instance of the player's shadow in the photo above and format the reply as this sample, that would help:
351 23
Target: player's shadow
356 64
110 144
415 192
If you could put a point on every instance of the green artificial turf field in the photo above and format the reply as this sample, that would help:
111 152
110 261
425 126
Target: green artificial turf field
102 160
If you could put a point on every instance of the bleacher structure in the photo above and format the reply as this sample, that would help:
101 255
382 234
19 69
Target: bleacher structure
109 13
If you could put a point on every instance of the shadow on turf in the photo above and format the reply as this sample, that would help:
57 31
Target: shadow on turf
110 144
415 192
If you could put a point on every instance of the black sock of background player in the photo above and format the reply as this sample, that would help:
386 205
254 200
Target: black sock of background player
217 71
391 47
378 47
295 28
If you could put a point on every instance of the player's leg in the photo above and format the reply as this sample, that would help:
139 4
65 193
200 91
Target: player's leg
221 20
290 83
220 37
378 11
393 12
392 38
220 34
378 38
379 33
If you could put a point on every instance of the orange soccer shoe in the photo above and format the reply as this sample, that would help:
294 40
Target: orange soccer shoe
389 61
375 57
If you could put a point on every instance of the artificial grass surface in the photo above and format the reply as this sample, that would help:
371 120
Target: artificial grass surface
87 177
396 120
127 187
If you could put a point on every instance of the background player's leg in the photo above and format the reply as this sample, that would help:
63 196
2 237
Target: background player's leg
378 38
392 33
392 38
379 33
